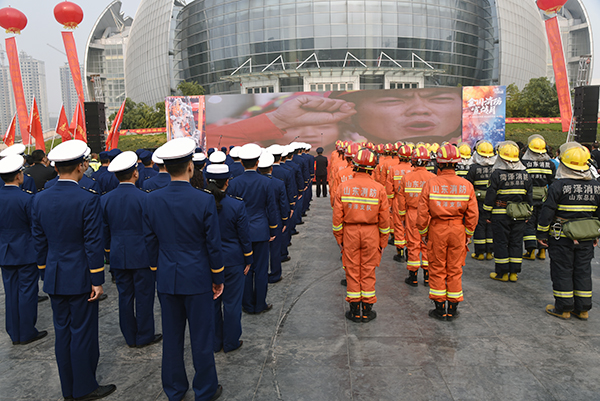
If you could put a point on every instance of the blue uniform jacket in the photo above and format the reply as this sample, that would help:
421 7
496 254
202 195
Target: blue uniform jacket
123 217
101 170
297 174
160 180
85 183
283 206
303 163
145 174
16 241
311 164
108 181
255 190
236 169
183 239
233 224
290 183
67 229
28 184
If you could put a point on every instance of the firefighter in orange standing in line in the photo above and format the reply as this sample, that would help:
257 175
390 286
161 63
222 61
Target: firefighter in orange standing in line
347 173
336 166
361 228
397 171
407 198
447 218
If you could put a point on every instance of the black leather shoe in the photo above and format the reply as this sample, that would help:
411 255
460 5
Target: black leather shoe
268 308
39 336
100 392
217 393
42 298
272 281
299 223
157 338
102 297
344 282
286 259
235 349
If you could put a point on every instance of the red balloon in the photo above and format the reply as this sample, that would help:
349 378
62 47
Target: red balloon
69 14
550 6
13 20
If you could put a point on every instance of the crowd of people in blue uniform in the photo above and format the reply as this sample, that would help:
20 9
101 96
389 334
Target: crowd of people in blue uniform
207 234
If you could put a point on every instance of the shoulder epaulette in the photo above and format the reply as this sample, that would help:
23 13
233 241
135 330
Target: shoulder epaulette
92 178
27 175
205 190
91 190
235 197
27 191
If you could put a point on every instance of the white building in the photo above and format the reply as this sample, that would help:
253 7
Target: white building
7 101
67 89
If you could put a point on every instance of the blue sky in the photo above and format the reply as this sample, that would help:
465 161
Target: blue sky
42 29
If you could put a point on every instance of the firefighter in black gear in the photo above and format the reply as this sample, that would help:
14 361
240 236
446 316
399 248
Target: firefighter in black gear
574 195
479 175
541 170
463 166
509 183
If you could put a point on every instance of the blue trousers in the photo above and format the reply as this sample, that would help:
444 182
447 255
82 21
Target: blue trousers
136 304
21 290
76 346
275 256
257 279
228 310
198 311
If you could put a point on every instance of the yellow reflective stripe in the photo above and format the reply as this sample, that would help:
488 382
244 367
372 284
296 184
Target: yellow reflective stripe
462 172
384 230
414 263
359 199
577 208
398 177
413 190
529 238
249 253
153 268
218 270
396 242
583 294
42 267
425 263
501 261
424 231
481 182
563 294
469 232
499 211
391 196
401 212
487 208
275 226
515 260
100 269
353 294
440 293
448 197
368 294
338 228
489 240
512 191
454 294
539 171
479 241
543 228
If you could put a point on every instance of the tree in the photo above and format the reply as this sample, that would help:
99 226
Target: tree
192 88
513 101
140 115
540 99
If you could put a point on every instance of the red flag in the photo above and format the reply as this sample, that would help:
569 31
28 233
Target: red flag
560 72
71 51
35 127
62 126
9 137
17 83
79 124
112 142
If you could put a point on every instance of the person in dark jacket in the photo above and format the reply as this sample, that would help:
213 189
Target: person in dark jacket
321 173
39 170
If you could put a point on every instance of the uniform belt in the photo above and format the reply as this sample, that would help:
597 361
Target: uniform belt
501 204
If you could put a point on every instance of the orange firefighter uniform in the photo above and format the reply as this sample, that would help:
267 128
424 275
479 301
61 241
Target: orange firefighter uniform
448 214
361 227
342 176
407 198
397 171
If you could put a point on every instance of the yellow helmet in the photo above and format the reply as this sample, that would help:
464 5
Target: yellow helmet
509 152
465 151
537 143
434 147
576 158
485 149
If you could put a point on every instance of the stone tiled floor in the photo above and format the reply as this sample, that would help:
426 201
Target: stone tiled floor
503 347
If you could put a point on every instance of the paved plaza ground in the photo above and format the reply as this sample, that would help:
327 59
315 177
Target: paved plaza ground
503 346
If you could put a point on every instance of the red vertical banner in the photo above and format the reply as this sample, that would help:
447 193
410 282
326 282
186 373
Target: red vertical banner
35 127
560 72
71 51
17 84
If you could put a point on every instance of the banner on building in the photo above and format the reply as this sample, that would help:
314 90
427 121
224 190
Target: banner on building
17 85
483 115
185 117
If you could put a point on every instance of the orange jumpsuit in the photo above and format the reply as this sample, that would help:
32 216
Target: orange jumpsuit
342 175
379 173
407 198
448 215
396 172
335 169
361 225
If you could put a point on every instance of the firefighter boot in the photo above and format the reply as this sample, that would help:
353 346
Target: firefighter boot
426 277
344 282
368 313
439 312
541 254
477 256
495 276
399 256
412 279
391 239
354 312
529 255
489 256
580 314
452 311
513 277
551 310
